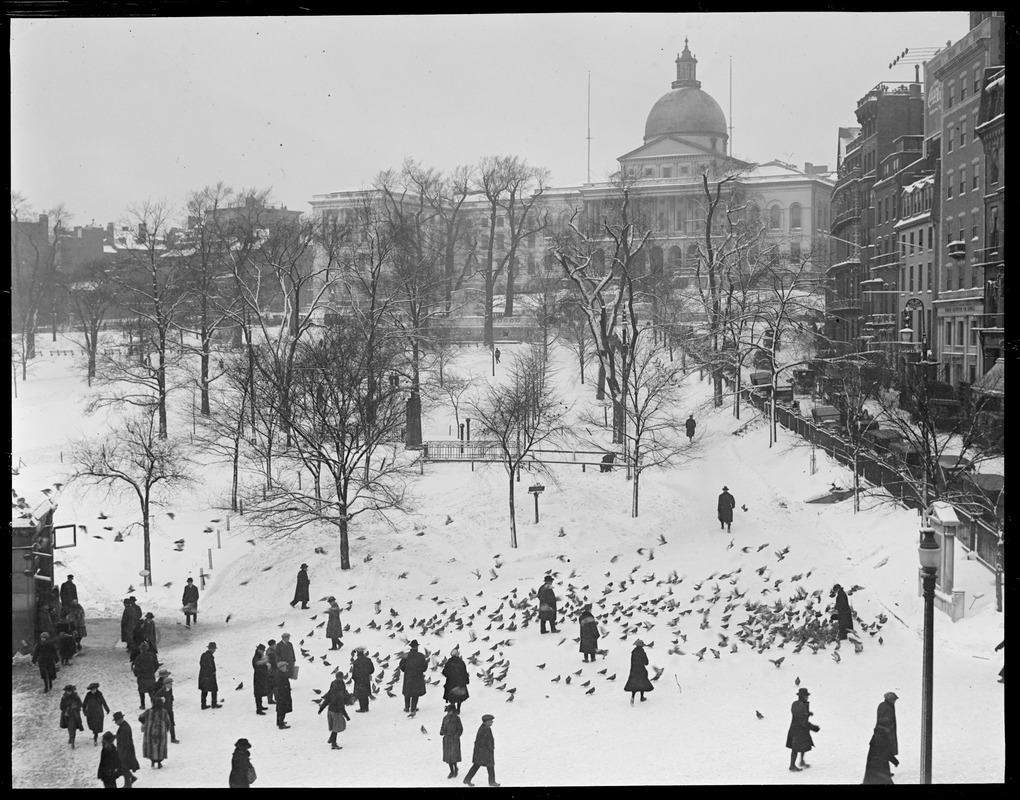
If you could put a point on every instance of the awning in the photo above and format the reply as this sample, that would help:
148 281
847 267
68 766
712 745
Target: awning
992 382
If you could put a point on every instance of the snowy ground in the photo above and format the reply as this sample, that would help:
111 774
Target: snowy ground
699 725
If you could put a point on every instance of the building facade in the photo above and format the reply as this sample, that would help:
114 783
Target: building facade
991 261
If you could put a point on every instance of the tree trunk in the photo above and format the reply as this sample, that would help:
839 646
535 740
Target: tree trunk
513 515
412 437
145 539
600 390
488 339
161 385
206 344
634 487
29 337
345 545
508 305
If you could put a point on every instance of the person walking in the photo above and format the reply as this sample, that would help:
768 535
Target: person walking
335 700
68 595
589 633
361 672
165 692
841 614
242 773
496 354
155 726
284 703
66 646
77 618
547 605
70 713
149 633
484 754
726 505
457 678
189 603
451 730
413 666
334 628
884 746
109 762
637 680
271 661
207 675
690 425
260 677
1002 672
94 705
285 652
129 620
45 655
798 738
125 749
301 589
144 668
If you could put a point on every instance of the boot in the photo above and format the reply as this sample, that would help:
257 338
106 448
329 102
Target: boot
453 772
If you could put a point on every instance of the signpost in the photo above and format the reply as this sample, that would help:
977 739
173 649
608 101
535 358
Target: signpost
536 490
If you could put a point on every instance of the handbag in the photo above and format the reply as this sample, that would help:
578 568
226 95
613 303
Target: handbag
458 691
294 671
251 774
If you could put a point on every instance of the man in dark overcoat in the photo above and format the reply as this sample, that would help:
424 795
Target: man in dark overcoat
413 666
301 589
884 746
841 614
334 627
547 605
285 651
144 668
361 673
798 738
690 425
68 594
207 675
284 703
189 600
260 677
129 620
589 633
726 505
126 749
484 754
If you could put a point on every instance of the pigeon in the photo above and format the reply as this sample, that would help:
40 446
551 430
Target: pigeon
423 730
762 547
168 584
171 514
281 624
239 686
102 515
591 690
250 541
759 715
662 539
797 681
207 529
541 666
778 661
743 508
611 677
229 617
730 545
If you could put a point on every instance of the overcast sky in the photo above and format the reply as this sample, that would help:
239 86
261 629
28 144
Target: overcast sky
109 112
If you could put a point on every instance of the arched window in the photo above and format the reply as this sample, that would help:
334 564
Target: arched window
795 216
775 218
673 258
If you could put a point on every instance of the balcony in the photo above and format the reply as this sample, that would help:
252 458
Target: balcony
881 320
848 307
958 249
990 256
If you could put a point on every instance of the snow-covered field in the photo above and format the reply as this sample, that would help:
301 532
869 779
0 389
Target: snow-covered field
699 725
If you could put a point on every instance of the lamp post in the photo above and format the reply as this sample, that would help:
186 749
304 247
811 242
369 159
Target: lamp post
929 554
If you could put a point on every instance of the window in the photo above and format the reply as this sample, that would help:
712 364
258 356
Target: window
649 172
949 97
949 185
949 333
920 239
949 139
960 334
931 237
667 172
499 222
911 242
993 166
963 133
795 215
910 283
929 277
963 181
974 180
960 276
973 225
973 334
949 276
794 251
775 218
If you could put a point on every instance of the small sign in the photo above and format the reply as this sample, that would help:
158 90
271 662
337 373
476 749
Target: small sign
537 488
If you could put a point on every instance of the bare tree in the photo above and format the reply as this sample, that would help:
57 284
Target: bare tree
521 413
135 457
93 295
221 433
575 333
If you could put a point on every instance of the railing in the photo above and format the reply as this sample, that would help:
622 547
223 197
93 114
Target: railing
850 304
485 450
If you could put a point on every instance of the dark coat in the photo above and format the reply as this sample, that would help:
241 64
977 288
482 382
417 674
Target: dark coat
301 590
207 672
109 763
413 665
726 505
166 694
638 681
546 603
67 646
886 720
68 594
285 652
334 628
589 633
128 620
284 702
798 738
456 674
336 701
260 674
45 655
126 747
485 747
690 425
451 730
190 596
94 705
76 615
149 633
842 615
239 764
145 667
361 672
880 754
70 711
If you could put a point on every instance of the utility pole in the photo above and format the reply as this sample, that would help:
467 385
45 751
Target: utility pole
589 126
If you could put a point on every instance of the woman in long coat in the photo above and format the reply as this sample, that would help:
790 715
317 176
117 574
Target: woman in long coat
841 614
451 731
77 618
45 655
165 692
334 629
70 713
589 634
109 762
94 705
638 681
798 738
240 765
335 700
260 678
361 672
457 678
155 726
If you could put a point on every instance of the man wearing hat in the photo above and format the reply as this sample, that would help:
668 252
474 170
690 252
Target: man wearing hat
334 628
484 754
726 505
284 701
413 665
242 773
883 747
45 655
285 651
94 705
361 673
125 749
109 762
207 675
145 667
547 604
68 594
189 602
589 633
301 590
129 620
798 738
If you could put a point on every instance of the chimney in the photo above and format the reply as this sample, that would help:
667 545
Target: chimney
143 232
77 231
109 230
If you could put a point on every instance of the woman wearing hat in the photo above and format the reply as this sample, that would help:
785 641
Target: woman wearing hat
883 747
413 665
94 705
451 730
109 762
798 739
70 713
334 629
260 677
589 633
457 678
165 692
242 773
76 616
45 655
361 672
638 681
155 726
335 700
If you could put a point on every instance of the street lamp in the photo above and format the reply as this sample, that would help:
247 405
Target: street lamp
930 555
